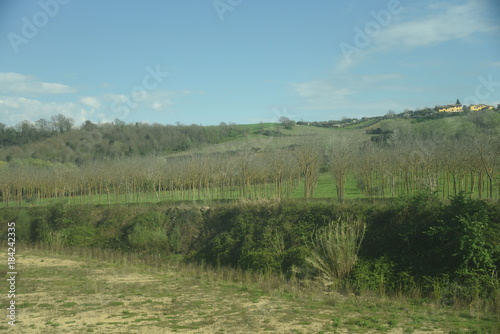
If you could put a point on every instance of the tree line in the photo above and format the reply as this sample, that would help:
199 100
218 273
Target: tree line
59 140
27 132
397 159
401 167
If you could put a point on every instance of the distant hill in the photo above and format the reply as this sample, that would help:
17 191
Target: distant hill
58 140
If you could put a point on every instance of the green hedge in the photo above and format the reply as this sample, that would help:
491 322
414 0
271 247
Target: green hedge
420 240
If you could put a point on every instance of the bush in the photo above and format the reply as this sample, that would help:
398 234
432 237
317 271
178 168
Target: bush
376 275
458 239
40 230
147 233
23 225
79 236
335 249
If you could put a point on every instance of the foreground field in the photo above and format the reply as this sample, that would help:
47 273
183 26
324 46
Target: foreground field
104 292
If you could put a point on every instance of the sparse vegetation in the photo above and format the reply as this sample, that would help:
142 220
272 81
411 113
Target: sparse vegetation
163 295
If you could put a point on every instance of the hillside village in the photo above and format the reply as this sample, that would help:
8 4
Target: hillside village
418 114
458 107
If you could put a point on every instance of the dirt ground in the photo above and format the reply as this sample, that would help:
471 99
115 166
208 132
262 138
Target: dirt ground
55 294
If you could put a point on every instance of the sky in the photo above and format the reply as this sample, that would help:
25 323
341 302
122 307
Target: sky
241 61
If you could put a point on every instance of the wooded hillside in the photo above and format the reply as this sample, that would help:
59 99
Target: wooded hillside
114 163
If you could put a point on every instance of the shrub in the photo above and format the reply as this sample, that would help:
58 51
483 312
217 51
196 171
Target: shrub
458 239
40 230
79 236
335 249
147 232
375 275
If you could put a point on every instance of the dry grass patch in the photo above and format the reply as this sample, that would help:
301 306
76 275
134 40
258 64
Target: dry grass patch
68 294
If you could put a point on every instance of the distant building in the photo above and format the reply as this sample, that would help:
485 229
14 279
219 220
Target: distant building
478 107
450 108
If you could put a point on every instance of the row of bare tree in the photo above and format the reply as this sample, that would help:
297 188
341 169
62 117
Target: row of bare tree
399 167
409 166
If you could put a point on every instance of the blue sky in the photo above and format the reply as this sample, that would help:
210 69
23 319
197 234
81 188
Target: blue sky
242 61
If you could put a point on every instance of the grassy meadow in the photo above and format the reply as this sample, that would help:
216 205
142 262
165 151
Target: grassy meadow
68 290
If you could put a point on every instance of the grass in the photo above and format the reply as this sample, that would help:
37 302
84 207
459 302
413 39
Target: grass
324 189
186 298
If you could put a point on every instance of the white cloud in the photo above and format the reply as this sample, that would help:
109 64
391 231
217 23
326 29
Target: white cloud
441 22
27 85
90 102
160 100
16 109
446 22
20 101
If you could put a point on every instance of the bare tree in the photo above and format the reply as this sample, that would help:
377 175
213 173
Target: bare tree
340 162
308 156
488 150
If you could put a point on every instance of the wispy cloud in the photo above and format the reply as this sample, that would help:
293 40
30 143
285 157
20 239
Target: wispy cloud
322 89
339 92
492 64
445 22
27 85
90 101
416 28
